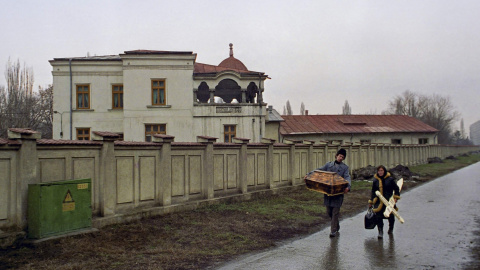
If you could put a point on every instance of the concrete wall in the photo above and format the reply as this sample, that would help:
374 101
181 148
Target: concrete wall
131 180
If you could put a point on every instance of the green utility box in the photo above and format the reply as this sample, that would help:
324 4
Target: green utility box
56 208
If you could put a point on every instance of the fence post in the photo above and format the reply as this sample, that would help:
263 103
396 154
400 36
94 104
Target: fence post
164 177
291 163
27 169
107 184
208 165
311 163
242 163
269 162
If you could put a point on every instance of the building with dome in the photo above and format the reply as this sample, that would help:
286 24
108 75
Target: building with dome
143 92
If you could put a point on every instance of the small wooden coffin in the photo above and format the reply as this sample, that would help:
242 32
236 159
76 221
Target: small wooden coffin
329 183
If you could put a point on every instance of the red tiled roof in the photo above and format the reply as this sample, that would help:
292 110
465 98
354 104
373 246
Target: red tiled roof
233 63
9 142
23 130
319 124
106 134
67 142
200 68
130 143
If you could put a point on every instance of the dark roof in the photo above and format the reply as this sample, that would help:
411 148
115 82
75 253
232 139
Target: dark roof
321 124
273 115
118 57
91 58
156 52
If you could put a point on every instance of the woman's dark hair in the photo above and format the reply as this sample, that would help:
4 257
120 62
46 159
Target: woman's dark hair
382 167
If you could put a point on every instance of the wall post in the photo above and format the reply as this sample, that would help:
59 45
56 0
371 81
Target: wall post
242 163
269 162
27 169
208 191
108 172
164 177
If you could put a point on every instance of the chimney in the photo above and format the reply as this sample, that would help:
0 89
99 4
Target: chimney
306 112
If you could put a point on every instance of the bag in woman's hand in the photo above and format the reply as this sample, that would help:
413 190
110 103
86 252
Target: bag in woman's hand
370 219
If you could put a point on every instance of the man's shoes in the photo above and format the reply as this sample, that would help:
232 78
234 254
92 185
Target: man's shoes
333 234
380 234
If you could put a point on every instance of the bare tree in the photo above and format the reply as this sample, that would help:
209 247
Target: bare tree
302 109
346 110
45 111
21 107
462 129
435 110
408 103
289 108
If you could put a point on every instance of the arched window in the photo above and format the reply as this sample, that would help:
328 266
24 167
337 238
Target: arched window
228 89
203 94
252 91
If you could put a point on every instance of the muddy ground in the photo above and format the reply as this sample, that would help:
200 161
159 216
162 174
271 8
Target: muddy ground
190 240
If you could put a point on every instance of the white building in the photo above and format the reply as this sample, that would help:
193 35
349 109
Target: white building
142 92
475 133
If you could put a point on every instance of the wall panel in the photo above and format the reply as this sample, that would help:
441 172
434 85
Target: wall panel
195 174
125 179
178 176
4 187
147 178
52 169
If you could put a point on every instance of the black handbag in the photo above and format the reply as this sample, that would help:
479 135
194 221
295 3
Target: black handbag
370 219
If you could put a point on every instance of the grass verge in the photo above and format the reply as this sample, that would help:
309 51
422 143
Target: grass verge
204 237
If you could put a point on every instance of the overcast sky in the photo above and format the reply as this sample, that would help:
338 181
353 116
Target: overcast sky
318 52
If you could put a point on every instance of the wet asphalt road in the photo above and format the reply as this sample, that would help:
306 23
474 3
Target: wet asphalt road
440 218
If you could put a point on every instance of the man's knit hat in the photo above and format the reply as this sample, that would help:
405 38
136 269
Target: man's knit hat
342 151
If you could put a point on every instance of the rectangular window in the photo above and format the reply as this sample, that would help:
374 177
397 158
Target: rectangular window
229 132
365 141
117 96
83 133
396 141
152 129
423 141
83 97
158 92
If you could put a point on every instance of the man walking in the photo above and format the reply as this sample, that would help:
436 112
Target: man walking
333 203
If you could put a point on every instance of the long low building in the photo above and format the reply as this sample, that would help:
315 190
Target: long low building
389 129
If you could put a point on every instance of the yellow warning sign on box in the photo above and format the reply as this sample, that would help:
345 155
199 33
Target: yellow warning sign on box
68 202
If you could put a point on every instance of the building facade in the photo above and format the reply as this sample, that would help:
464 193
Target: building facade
140 93
475 133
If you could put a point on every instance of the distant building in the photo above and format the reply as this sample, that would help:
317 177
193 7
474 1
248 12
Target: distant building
387 129
142 92
272 124
475 133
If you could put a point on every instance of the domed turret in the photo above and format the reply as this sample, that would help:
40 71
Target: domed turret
232 62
